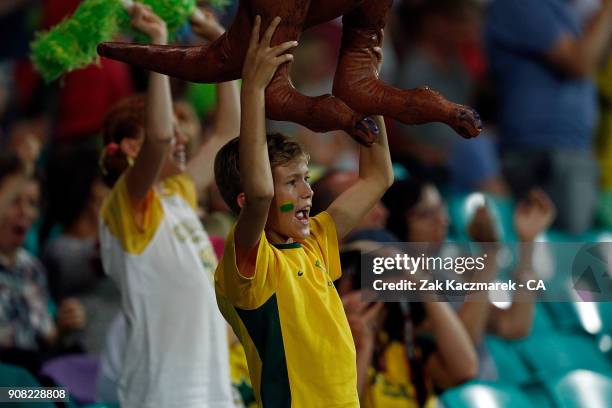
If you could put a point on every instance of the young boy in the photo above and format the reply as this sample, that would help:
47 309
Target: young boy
275 281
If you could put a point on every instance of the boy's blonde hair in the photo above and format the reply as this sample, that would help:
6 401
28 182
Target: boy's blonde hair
281 151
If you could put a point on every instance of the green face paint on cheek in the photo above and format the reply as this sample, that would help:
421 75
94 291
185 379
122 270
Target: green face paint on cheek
287 207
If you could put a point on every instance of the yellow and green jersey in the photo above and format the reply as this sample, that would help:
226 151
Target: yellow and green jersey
392 386
291 321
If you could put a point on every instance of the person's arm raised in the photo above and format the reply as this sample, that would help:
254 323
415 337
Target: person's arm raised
455 360
533 215
580 57
226 123
159 126
260 65
375 177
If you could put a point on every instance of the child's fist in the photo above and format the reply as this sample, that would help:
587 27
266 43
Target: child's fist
262 60
144 19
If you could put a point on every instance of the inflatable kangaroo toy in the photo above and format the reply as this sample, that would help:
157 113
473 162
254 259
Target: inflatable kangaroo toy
357 91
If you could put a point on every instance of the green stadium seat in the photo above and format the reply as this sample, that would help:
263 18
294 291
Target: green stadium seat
510 366
605 311
575 317
485 395
13 376
582 388
543 322
559 353
564 316
539 395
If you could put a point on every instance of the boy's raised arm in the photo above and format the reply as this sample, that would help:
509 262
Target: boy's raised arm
375 177
159 131
254 164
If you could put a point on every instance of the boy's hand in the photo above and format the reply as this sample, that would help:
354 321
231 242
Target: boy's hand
262 60
533 215
205 24
144 19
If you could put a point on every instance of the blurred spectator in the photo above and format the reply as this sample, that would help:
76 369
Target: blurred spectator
371 227
217 218
190 125
418 214
73 258
474 166
13 174
27 329
406 352
532 216
543 67
438 30
26 138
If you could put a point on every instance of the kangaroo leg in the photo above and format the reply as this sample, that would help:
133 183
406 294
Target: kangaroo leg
284 102
321 114
356 81
223 59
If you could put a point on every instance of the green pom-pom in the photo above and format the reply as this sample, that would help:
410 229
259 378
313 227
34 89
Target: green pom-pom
72 43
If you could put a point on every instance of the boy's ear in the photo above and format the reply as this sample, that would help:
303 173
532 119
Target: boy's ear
240 200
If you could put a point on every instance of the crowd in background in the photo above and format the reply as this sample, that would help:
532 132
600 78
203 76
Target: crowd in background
543 88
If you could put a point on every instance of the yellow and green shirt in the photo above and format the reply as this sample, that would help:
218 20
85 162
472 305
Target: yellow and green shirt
392 386
291 321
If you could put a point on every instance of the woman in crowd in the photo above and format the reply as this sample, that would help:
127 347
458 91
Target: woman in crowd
29 334
154 247
418 214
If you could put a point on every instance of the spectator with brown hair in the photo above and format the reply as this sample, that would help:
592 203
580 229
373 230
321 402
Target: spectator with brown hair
73 258
154 247
418 214
28 332
406 352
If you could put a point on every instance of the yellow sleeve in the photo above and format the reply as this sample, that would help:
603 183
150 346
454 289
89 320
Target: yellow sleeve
323 231
133 226
183 186
248 293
